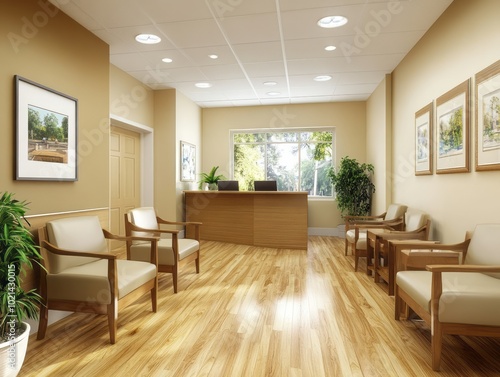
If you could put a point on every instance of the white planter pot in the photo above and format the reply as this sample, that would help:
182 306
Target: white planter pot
12 353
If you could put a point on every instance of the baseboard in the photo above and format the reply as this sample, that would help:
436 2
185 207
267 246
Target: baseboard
329 232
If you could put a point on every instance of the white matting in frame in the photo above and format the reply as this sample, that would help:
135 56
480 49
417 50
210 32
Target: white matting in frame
423 140
46 133
452 130
488 118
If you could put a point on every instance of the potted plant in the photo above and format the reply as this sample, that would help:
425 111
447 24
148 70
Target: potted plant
353 187
17 251
211 179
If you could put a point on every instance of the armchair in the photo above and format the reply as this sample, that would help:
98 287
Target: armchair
417 228
81 275
356 228
460 299
172 252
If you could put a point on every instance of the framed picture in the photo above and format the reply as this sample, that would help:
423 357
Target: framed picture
488 118
452 130
46 133
423 140
188 162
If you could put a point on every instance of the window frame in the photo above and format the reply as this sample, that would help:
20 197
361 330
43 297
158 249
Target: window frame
297 130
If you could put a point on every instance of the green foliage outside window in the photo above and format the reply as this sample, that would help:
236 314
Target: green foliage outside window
298 160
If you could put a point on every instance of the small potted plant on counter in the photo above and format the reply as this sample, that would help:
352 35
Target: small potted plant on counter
210 179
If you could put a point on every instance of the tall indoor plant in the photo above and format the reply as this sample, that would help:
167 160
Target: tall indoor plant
17 252
353 186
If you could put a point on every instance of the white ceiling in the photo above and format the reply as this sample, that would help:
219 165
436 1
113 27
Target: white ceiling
258 41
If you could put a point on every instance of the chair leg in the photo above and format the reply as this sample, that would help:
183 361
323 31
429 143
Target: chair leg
174 278
346 247
197 263
436 346
112 320
154 296
44 317
356 261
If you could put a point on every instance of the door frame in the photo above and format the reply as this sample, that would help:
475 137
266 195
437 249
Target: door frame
147 155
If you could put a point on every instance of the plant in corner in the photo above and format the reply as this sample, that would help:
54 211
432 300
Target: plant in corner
353 187
17 251
211 178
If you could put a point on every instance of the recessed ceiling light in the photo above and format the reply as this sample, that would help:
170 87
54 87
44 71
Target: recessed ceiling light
149 39
203 85
273 93
213 56
330 48
167 60
332 21
270 83
323 78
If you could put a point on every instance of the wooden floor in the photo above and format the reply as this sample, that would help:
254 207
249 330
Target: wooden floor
259 312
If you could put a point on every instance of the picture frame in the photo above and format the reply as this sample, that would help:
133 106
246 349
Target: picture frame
487 113
188 162
452 130
46 133
423 140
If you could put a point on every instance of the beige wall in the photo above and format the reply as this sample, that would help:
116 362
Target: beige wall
53 50
348 118
462 42
129 98
379 145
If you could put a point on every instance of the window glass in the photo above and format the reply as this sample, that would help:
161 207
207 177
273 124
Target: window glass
298 160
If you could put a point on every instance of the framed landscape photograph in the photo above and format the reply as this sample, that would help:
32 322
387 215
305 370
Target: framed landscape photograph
452 130
46 133
488 118
188 162
423 140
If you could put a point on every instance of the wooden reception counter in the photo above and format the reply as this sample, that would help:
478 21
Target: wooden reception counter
261 218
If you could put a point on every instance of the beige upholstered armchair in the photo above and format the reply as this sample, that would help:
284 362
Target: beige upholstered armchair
83 276
461 299
417 227
172 252
356 227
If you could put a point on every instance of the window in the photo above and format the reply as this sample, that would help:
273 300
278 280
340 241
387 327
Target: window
298 159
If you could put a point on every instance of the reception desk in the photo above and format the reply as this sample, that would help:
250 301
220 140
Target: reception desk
261 218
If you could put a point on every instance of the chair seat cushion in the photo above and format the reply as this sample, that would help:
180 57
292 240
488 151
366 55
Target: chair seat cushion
361 244
467 297
142 251
77 283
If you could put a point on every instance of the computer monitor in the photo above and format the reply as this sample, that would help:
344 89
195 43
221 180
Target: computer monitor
265 186
228 186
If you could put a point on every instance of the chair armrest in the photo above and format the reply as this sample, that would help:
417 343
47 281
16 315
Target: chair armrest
139 229
167 222
463 268
363 218
54 249
112 236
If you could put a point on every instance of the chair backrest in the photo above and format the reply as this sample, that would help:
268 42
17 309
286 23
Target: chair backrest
228 185
83 233
395 211
415 220
144 217
484 247
265 186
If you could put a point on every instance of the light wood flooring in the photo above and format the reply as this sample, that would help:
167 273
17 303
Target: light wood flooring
259 312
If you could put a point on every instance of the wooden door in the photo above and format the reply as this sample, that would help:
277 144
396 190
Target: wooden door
124 177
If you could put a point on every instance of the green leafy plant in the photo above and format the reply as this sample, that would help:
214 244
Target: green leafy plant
353 187
17 251
210 178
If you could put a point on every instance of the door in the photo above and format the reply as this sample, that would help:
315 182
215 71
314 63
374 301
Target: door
124 177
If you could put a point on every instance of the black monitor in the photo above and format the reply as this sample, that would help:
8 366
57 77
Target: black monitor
265 186
228 186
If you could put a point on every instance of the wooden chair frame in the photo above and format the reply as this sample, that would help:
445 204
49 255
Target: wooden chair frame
111 309
383 251
178 263
403 301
